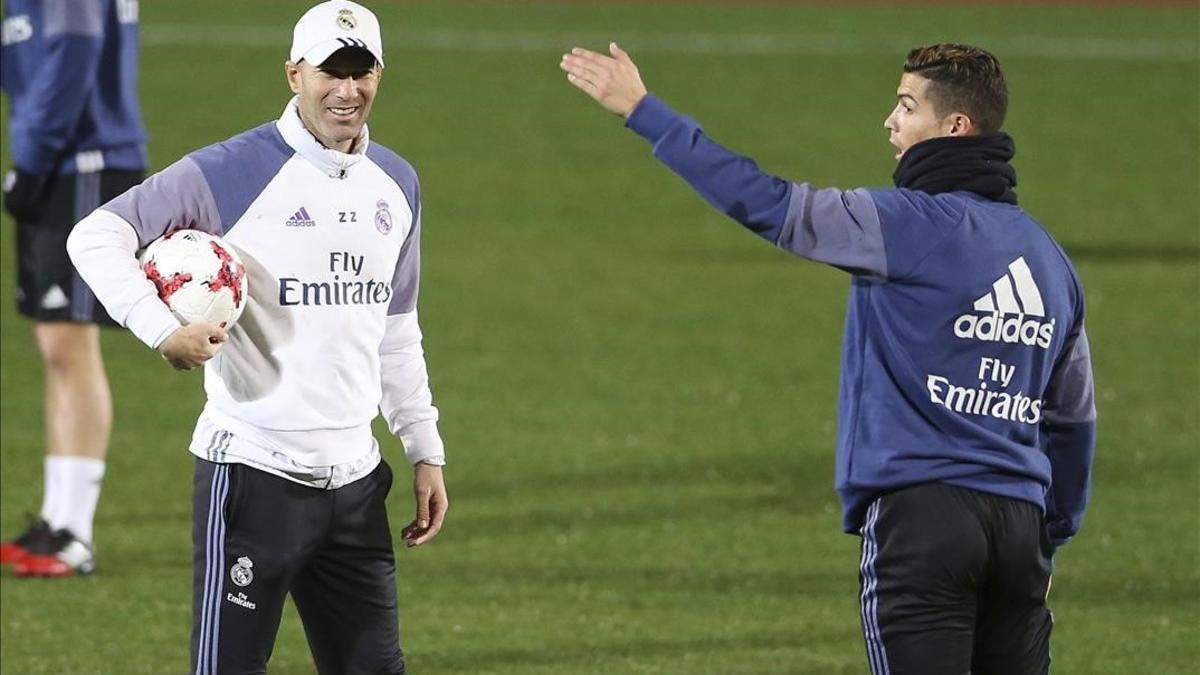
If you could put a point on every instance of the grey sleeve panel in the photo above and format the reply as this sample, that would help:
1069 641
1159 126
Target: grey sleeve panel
74 17
836 227
238 169
176 198
1070 398
407 279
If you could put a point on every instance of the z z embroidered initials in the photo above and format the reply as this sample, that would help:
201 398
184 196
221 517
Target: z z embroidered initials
347 216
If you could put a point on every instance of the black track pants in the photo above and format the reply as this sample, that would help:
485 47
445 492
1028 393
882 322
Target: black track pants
954 581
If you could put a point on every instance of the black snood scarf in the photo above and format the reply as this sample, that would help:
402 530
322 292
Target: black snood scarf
977 164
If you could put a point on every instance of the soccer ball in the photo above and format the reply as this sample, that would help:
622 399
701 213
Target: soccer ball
198 276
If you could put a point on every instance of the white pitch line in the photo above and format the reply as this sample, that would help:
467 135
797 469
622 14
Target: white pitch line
1051 47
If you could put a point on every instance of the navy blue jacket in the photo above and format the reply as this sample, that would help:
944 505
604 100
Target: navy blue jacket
965 359
69 68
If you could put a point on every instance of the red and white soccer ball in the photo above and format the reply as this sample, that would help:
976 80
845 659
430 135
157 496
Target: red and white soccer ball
198 276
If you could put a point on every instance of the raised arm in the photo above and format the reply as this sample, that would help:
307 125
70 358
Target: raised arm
836 227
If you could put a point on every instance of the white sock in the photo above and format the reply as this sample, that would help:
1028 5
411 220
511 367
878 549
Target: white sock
50 490
76 486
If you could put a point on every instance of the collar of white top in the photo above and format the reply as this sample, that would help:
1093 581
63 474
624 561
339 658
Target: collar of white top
331 162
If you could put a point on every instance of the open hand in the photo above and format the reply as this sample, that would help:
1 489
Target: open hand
613 81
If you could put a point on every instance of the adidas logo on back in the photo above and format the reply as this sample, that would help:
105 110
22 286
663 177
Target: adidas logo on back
1011 312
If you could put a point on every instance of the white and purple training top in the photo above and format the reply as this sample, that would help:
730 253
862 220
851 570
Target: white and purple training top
331 244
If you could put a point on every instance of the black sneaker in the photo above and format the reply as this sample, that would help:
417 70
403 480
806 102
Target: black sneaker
61 555
36 536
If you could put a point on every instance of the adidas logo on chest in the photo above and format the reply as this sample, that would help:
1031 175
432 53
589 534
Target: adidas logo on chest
300 219
1012 311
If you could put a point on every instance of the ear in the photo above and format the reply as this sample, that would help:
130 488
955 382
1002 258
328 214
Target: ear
292 72
959 124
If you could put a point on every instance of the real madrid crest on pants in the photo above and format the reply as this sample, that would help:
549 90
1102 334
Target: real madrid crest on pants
241 573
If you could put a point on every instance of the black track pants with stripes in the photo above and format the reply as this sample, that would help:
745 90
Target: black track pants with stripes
258 537
954 581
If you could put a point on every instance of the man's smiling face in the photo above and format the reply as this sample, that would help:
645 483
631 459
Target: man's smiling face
336 96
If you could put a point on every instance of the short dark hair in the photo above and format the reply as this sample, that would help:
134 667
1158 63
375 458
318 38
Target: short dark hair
962 78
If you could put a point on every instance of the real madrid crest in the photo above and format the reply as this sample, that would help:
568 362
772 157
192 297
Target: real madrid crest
383 217
241 573
345 19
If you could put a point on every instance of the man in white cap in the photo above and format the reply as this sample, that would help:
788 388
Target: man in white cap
289 489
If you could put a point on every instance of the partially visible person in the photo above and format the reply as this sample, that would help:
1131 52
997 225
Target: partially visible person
76 140
966 420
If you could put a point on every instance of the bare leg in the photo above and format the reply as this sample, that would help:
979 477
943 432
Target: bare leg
78 424
78 400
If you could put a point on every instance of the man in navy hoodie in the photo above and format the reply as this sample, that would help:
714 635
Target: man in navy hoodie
966 419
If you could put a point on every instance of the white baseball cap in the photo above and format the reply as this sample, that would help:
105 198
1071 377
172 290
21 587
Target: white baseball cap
330 26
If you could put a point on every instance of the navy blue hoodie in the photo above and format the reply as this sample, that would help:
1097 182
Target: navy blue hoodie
965 359
69 68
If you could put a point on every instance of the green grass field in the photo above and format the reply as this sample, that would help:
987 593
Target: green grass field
637 396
